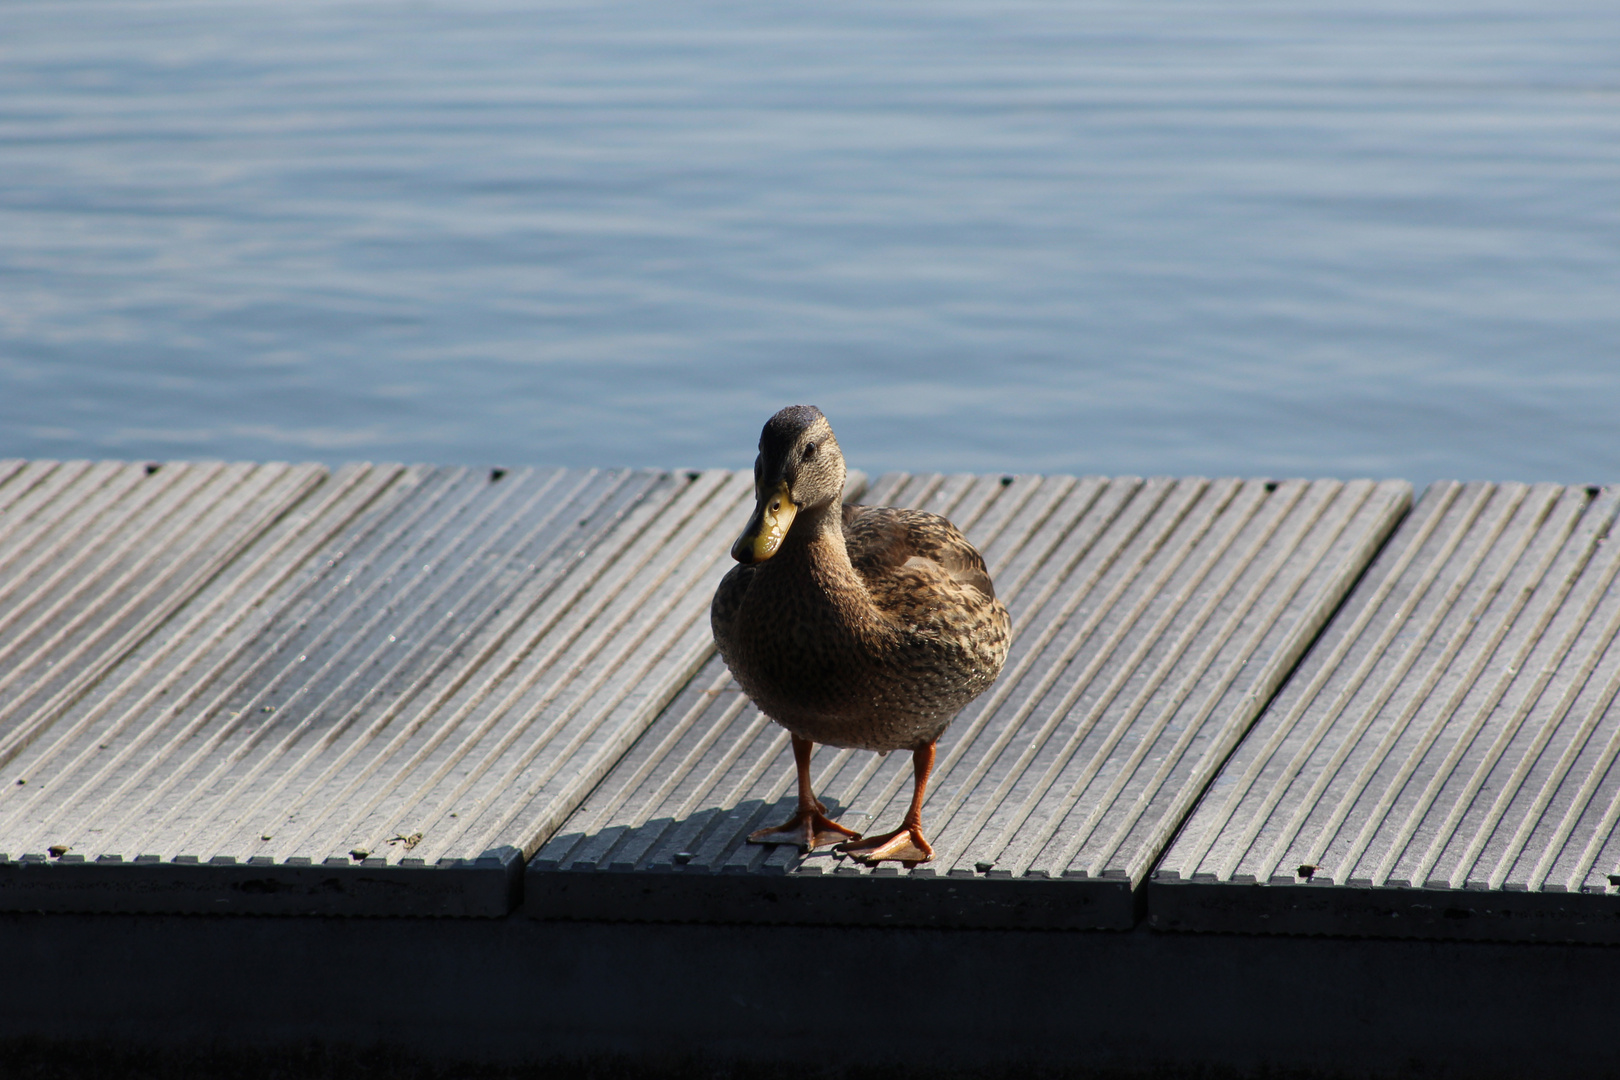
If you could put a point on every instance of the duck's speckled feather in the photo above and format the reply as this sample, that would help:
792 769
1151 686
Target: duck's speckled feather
875 646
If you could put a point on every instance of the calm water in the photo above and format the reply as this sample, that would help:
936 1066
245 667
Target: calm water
1302 238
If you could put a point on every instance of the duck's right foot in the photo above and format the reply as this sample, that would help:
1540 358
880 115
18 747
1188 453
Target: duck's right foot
810 828
905 844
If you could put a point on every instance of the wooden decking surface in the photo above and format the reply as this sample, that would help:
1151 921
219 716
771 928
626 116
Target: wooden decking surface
1231 705
1444 762
278 688
1152 621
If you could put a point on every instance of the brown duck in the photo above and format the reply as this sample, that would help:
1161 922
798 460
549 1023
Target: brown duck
855 626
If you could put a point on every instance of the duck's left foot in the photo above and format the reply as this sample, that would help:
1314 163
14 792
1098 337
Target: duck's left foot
905 844
810 828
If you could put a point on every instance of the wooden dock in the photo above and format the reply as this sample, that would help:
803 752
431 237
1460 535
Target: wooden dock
373 691
1262 708
1152 619
1444 762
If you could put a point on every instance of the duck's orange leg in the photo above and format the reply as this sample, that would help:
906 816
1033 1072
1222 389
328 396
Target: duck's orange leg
810 827
906 843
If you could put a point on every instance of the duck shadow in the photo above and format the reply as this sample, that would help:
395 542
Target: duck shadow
711 840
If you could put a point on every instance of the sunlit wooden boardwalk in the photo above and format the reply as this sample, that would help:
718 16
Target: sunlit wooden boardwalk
224 683
1248 706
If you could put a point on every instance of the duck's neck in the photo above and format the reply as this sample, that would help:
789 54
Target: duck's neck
816 541
817 557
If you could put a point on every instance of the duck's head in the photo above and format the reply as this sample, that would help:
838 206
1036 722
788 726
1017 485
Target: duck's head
799 473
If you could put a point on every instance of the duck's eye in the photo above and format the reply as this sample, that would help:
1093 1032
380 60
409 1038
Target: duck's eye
809 451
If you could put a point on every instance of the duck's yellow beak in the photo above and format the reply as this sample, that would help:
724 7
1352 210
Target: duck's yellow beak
773 516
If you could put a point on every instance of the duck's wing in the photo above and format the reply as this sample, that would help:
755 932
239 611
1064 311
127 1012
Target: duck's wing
883 538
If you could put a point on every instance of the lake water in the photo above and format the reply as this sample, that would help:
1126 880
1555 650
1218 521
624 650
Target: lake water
1266 239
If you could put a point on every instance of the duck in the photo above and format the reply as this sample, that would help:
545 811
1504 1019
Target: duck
862 627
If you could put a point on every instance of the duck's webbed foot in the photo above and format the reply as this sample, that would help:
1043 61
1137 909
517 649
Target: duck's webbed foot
810 828
905 844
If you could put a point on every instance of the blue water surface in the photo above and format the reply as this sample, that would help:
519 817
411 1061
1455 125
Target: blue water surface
1306 238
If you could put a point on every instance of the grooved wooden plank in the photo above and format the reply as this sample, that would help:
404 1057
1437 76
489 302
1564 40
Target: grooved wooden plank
371 692
1152 621
9 467
112 581
1443 764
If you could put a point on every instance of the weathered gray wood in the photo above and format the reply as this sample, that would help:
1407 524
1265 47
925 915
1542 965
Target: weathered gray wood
1152 619
169 676
292 678
112 593
1443 762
